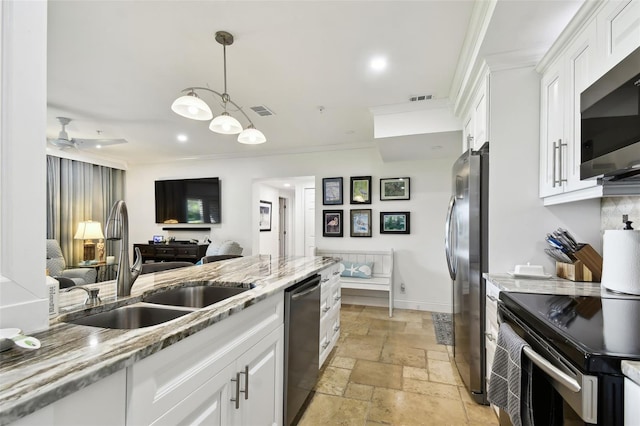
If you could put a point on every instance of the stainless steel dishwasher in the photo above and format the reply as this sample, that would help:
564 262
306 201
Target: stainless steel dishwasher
301 344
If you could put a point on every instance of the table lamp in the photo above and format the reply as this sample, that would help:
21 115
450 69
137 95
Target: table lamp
89 231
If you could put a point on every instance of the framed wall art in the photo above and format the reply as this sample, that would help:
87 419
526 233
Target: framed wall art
361 223
361 190
265 216
395 189
332 191
332 223
395 222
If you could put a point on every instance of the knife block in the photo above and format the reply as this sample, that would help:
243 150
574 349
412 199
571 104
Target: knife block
587 267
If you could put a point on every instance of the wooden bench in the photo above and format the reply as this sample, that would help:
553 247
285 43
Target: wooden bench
382 275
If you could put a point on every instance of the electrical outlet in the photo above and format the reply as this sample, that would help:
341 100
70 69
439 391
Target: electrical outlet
402 289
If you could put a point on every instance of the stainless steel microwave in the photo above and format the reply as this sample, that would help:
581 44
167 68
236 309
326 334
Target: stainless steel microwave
610 123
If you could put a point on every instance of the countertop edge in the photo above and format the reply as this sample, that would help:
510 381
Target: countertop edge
631 369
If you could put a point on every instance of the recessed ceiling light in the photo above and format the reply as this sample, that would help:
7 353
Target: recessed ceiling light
98 146
182 138
287 185
378 63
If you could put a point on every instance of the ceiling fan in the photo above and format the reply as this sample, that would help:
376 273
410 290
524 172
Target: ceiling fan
63 141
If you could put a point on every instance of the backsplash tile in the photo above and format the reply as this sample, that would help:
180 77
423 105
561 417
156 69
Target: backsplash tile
612 209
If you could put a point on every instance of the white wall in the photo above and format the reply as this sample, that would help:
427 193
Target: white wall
23 37
269 241
419 263
518 222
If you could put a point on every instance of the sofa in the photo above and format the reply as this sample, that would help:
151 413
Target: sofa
56 265
223 247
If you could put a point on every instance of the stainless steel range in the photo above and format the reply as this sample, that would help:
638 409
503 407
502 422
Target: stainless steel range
579 342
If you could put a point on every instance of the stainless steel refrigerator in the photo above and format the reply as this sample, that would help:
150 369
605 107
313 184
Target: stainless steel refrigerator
466 247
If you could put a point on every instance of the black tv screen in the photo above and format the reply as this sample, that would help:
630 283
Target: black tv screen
188 201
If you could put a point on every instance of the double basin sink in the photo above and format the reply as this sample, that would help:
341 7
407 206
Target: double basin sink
160 307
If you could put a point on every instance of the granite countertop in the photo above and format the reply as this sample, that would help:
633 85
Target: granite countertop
631 369
75 356
553 285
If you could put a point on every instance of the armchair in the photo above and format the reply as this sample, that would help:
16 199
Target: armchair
56 266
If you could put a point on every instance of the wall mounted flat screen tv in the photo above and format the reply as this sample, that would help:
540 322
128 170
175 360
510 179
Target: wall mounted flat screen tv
188 201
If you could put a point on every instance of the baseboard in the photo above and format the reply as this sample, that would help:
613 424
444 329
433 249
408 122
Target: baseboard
381 299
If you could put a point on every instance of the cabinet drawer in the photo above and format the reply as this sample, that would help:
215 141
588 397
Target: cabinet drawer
146 250
165 251
187 251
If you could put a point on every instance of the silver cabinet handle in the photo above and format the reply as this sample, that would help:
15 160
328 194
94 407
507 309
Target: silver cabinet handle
237 398
490 337
246 381
492 298
560 145
555 162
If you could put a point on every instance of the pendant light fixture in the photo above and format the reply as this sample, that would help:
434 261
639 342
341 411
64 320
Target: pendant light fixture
191 106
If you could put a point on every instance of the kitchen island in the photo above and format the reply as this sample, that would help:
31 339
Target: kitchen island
74 357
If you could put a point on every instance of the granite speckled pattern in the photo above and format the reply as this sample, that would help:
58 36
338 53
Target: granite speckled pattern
553 285
631 369
75 356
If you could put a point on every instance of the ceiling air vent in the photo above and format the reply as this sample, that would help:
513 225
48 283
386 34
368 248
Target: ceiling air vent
262 110
417 98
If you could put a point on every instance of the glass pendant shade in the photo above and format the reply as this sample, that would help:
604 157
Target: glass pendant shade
225 124
191 106
251 136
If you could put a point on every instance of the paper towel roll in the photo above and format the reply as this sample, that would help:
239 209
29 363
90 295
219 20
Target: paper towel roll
621 261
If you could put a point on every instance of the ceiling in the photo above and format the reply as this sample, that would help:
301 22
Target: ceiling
116 67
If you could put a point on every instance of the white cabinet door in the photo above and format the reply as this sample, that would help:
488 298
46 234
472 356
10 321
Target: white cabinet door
102 403
260 371
207 405
481 117
631 402
580 57
618 31
552 144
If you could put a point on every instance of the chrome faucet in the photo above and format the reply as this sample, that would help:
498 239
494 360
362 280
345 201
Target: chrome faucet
117 228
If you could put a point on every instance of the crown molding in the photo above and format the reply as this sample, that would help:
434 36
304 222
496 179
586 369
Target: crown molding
583 16
468 60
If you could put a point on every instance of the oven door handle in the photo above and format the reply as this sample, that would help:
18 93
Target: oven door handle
560 376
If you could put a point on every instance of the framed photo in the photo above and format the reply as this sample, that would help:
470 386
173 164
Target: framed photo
361 190
332 223
361 223
395 222
394 189
265 215
332 191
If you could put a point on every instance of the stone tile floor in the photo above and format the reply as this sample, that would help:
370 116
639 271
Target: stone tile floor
391 371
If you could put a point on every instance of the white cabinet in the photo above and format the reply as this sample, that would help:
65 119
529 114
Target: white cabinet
476 122
608 32
198 378
631 402
330 303
561 85
102 403
618 32
491 329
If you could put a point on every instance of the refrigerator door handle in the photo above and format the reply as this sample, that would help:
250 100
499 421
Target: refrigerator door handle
447 239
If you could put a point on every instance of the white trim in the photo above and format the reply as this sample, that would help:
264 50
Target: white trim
583 16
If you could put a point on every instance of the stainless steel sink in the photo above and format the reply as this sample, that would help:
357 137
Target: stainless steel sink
128 317
194 297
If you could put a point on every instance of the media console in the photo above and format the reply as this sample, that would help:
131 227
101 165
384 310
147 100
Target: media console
172 252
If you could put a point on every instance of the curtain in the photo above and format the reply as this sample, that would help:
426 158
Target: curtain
76 192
